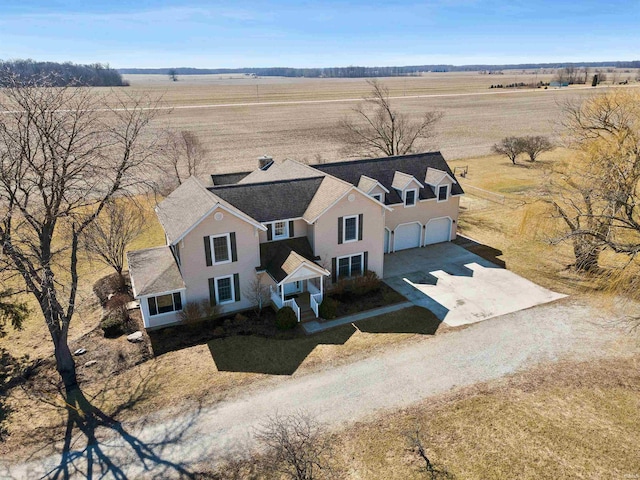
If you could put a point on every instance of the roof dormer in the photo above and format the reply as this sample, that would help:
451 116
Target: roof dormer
435 177
372 187
440 182
408 188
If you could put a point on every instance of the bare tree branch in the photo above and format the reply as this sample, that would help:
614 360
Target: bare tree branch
380 130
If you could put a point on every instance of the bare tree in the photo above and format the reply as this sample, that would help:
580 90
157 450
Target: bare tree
64 154
297 445
107 237
182 156
258 294
173 74
534 145
596 195
509 146
380 130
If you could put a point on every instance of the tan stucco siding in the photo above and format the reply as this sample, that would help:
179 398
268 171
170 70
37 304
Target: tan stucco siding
195 271
326 232
299 230
424 211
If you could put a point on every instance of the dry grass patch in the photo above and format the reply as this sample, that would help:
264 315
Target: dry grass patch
203 374
565 420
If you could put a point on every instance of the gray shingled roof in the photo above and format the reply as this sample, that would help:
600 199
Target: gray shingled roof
278 258
270 201
383 170
153 271
228 178
184 207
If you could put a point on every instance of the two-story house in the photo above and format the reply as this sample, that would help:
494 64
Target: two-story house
291 225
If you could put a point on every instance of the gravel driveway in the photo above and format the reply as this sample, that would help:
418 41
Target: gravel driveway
396 378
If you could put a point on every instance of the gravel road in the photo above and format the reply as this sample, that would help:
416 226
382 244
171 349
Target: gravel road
397 377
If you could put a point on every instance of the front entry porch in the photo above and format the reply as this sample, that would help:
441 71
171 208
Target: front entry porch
303 296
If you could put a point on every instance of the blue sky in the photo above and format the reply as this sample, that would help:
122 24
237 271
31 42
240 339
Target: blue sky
216 34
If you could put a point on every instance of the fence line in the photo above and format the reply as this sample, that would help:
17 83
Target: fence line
485 194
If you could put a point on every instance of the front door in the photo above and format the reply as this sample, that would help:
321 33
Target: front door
293 287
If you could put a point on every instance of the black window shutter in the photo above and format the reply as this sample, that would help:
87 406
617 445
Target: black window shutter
269 232
291 235
360 226
234 253
339 230
236 286
334 273
207 250
212 291
366 262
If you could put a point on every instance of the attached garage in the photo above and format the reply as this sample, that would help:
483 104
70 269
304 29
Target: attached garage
407 236
438 230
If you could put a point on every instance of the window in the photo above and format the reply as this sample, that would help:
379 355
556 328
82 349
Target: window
350 229
344 267
225 290
410 198
443 192
377 196
221 246
280 230
350 266
171 302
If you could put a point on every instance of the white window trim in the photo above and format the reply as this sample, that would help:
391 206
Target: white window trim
344 229
233 290
213 250
438 193
172 299
415 197
377 196
286 230
361 255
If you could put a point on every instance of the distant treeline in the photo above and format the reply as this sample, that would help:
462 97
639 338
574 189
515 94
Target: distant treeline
357 72
62 74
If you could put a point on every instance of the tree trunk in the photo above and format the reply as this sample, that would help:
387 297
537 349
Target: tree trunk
586 255
64 363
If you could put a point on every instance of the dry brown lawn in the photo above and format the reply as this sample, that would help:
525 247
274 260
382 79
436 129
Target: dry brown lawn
559 421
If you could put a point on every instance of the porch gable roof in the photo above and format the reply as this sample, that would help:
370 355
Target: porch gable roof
283 258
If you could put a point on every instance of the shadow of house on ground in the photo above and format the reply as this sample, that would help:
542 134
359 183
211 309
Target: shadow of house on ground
272 356
283 357
410 320
485 251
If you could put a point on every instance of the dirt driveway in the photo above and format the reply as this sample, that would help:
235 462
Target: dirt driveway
458 286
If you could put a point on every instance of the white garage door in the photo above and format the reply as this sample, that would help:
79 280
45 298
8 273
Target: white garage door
407 236
438 230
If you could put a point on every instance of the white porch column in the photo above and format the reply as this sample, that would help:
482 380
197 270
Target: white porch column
282 292
321 284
